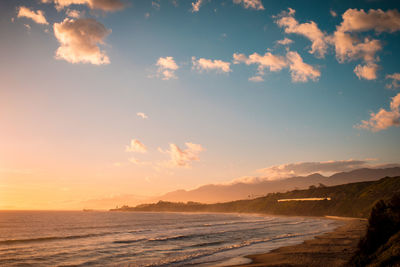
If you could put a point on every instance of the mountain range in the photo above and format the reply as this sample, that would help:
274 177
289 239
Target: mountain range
214 193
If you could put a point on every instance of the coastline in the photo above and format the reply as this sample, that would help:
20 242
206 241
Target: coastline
330 249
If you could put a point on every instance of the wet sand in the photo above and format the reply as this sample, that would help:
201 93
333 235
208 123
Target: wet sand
330 249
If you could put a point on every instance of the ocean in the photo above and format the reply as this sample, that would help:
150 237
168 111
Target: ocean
74 238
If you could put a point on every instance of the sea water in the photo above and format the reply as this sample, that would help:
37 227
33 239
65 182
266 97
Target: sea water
73 238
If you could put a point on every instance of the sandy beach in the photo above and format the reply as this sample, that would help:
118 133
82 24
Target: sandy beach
330 249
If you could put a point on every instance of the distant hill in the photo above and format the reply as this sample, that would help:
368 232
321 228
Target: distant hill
223 193
351 200
229 192
111 202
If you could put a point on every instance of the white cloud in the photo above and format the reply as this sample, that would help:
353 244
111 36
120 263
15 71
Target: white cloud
136 146
285 41
253 4
309 30
333 13
79 40
209 64
196 5
307 168
167 68
395 80
299 70
104 5
367 72
142 115
383 119
37 16
183 158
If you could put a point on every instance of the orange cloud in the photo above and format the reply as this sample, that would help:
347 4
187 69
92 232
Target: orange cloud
196 5
367 71
167 68
299 70
378 20
349 48
209 64
79 40
183 158
105 5
72 13
306 168
37 16
266 61
253 4
142 115
136 146
384 119
309 30
285 41
395 77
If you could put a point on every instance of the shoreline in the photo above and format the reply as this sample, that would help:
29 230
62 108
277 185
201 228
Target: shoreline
334 248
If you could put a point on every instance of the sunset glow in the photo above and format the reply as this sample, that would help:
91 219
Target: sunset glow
125 101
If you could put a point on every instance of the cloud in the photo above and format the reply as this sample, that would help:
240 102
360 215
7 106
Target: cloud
209 64
367 71
333 13
79 40
383 119
156 4
348 48
256 79
266 61
307 168
72 13
136 146
395 80
358 20
167 68
253 4
183 158
309 30
104 5
285 41
142 115
196 5
37 16
299 70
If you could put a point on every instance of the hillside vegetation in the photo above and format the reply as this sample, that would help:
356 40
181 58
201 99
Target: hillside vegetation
381 244
213 193
350 200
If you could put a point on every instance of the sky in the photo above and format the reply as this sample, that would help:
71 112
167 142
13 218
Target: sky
100 98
